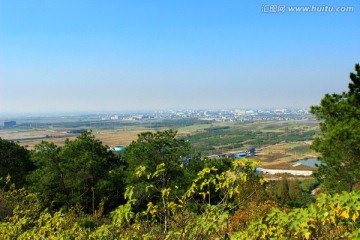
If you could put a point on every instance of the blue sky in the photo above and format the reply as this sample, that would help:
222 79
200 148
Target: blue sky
137 55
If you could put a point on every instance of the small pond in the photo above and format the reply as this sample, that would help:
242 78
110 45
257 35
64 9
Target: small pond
309 162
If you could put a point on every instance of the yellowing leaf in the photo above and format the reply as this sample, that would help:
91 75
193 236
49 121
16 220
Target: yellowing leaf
160 166
151 208
345 214
355 216
139 171
263 180
165 192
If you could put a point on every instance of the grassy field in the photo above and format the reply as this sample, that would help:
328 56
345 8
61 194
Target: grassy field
282 156
220 137
278 142
110 138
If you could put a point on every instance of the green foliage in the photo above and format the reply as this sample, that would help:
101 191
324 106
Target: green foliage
309 185
14 161
48 178
331 217
172 217
339 142
18 202
150 150
82 172
213 215
45 226
290 193
282 191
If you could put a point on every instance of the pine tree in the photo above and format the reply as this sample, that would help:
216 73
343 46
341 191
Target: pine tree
282 191
339 142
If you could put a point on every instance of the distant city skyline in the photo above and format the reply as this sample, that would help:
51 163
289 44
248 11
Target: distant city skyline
96 56
209 114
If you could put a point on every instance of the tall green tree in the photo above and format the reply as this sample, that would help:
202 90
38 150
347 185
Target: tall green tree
150 150
14 161
339 142
83 171
48 177
282 191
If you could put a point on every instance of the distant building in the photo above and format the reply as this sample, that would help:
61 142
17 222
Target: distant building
239 155
251 151
118 149
9 124
282 171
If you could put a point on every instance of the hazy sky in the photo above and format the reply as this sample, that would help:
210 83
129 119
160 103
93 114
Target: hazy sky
89 55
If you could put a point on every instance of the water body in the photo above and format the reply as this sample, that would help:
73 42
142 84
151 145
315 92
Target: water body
309 162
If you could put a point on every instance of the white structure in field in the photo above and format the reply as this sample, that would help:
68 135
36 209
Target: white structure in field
281 171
